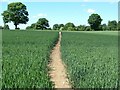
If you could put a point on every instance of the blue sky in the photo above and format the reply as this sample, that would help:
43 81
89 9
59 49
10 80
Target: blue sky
63 12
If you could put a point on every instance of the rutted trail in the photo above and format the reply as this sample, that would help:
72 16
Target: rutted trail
58 72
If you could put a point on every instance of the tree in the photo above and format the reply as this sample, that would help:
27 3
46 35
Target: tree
112 25
58 26
71 29
61 26
104 27
28 27
6 27
81 28
119 25
69 26
1 27
94 21
49 28
88 28
55 27
16 13
33 25
42 23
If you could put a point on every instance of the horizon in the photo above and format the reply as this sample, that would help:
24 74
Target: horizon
64 12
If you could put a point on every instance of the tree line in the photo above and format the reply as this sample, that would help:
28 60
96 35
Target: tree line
18 14
111 26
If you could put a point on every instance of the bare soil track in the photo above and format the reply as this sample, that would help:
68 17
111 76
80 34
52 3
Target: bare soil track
58 73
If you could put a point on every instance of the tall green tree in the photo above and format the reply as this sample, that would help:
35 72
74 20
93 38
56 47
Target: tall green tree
55 27
112 25
95 21
58 26
61 26
42 23
17 13
69 26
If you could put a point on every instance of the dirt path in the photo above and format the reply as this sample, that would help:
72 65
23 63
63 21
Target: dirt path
58 72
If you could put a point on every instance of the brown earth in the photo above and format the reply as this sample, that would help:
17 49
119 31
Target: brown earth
58 72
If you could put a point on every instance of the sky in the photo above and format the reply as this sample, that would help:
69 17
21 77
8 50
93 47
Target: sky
75 11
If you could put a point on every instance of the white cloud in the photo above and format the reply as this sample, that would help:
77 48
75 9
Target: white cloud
90 10
40 15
